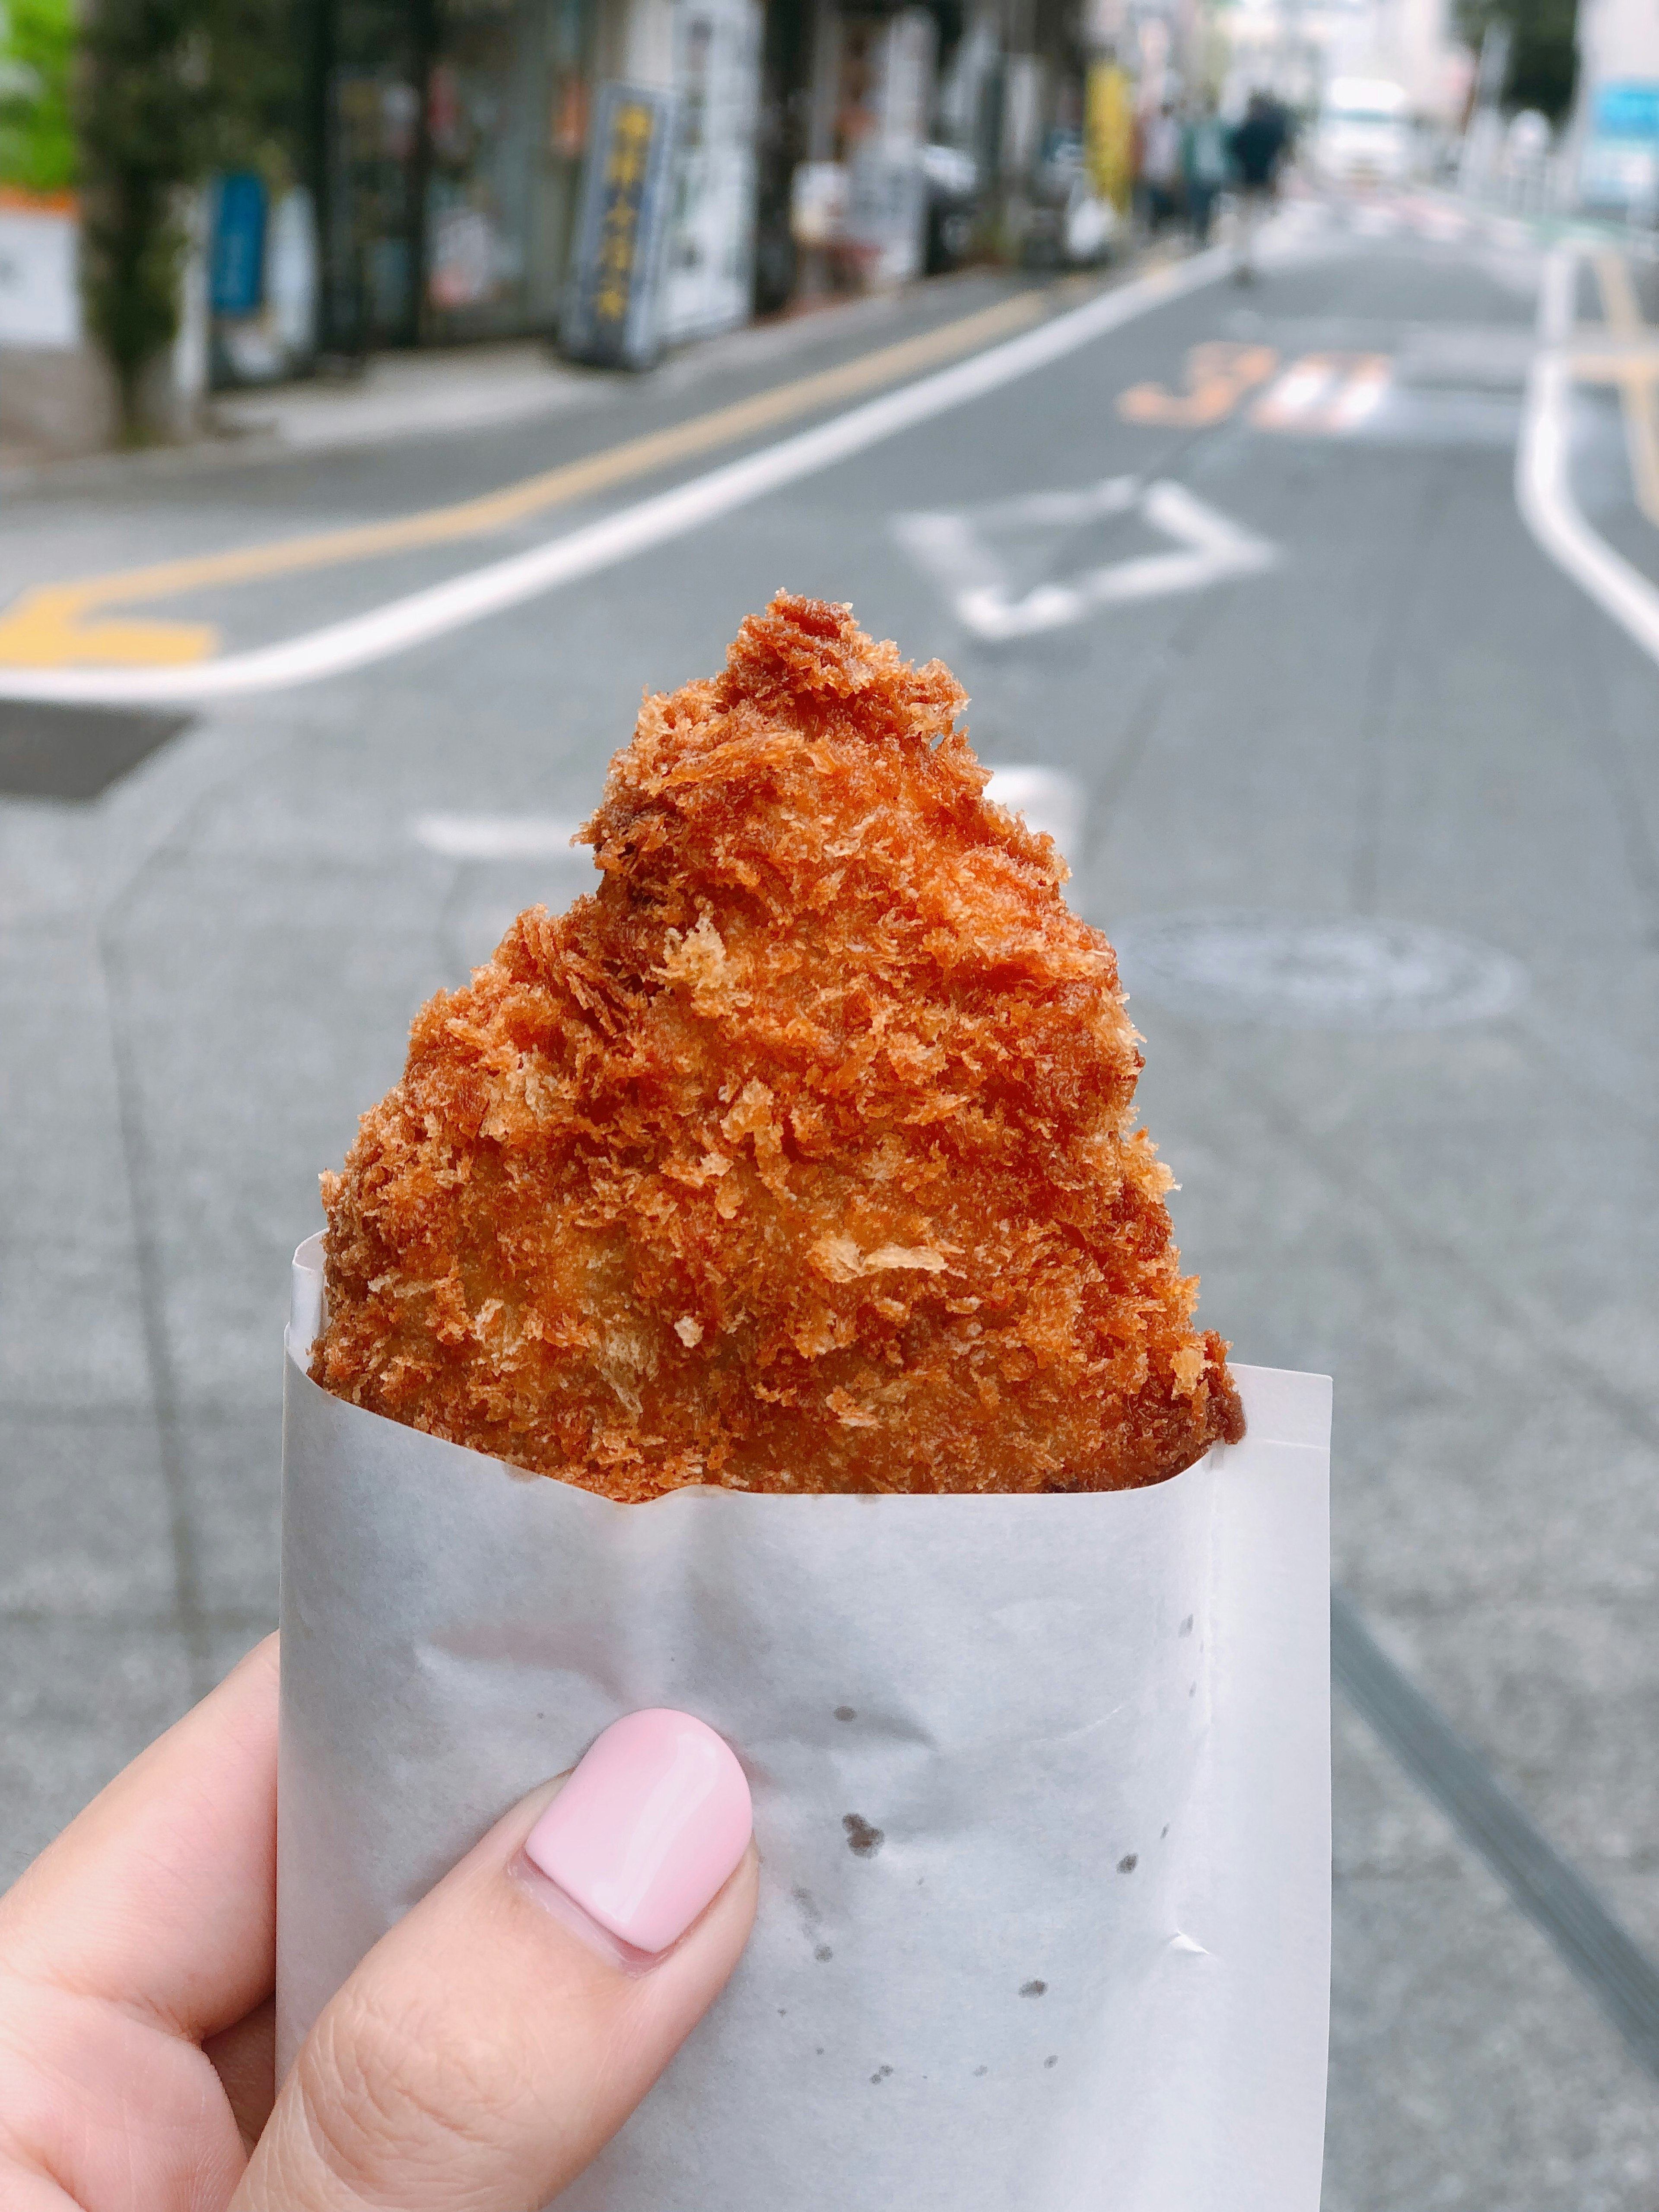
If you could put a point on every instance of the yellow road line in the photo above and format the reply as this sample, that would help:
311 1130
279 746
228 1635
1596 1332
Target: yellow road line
46 627
1635 376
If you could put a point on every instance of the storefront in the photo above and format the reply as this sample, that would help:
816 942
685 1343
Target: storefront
507 124
449 213
866 97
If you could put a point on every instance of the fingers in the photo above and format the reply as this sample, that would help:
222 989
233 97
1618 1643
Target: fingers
245 2059
491 2043
161 1896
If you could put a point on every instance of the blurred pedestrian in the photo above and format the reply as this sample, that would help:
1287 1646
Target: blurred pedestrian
1205 166
1160 167
1257 149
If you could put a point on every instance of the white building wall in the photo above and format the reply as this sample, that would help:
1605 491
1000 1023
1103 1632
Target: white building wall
1616 39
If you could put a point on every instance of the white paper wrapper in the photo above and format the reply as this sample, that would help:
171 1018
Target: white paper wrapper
1087 1965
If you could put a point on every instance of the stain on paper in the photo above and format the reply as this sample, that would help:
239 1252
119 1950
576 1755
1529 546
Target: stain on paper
862 1840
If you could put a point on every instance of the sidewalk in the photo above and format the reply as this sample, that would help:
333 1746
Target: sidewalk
404 396
431 394
424 395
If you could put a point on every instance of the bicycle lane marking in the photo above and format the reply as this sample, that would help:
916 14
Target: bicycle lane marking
361 639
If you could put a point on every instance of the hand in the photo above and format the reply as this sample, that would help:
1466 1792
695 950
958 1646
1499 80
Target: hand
480 2056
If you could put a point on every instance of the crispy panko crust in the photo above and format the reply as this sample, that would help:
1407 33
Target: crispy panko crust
800 1155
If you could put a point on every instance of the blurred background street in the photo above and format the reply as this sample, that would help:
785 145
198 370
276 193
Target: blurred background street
1316 616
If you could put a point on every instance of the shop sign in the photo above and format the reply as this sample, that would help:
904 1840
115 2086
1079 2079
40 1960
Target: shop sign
39 297
1108 128
237 284
818 197
1620 167
709 266
613 300
886 210
884 232
1628 111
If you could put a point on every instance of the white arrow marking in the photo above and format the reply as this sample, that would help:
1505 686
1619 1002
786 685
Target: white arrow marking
959 551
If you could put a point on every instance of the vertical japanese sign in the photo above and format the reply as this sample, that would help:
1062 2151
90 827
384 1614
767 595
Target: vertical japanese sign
612 296
236 280
1109 131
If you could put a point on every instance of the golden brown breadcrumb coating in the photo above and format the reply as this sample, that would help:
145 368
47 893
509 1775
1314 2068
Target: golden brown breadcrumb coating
798 1156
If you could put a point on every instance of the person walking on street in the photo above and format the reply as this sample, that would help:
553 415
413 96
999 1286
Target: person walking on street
1205 167
1258 148
1160 166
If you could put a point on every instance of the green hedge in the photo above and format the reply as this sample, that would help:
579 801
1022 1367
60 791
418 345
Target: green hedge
37 134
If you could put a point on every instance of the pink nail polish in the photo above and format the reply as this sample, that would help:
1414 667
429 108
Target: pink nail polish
648 1828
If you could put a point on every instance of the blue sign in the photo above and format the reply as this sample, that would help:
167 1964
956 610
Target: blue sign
610 311
1627 111
236 284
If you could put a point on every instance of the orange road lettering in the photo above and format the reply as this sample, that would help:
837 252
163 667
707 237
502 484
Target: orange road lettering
47 628
1320 394
1218 374
59 624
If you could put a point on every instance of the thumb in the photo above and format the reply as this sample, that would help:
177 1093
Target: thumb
494 2041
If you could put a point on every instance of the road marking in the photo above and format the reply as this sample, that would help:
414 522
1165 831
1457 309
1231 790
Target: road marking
1363 390
1218 374
1634 372
1543 484
1297 392
496 836
1050 802
47 627
961 551
441 608
1321 394
1325 394
1548 1888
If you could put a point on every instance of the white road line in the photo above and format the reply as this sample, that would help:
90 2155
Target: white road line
1362 394
1543 483
496 836
1289 402
448 606
1051 802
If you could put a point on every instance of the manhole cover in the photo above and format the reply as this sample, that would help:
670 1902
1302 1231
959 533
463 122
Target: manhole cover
1304 971
48 752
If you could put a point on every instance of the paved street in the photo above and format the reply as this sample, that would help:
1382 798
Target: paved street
1363 782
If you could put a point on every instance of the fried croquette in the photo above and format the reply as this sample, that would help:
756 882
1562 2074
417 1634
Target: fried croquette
797 1156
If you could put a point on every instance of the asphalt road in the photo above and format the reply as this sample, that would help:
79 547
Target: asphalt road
1366 786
